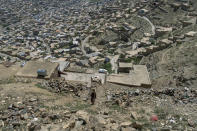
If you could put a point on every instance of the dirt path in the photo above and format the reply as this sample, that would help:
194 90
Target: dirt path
83 43
151 24
100 92
163 58
100 98
113 62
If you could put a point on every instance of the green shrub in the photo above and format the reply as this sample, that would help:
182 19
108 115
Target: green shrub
136 60
107 66
39 86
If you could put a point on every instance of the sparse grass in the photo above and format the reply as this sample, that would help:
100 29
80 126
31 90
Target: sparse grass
57 107
81 106
161 112
24 80
165 111
117 108
22 127
110 112
93 112
68 105
78 106
142 111
40 86
8 81
143 119
147 125
4 107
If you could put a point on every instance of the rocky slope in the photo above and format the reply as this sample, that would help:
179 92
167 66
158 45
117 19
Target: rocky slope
174 67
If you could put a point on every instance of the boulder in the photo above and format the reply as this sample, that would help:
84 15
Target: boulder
54 117
34 126
79 123
128 129
134 115
190 34
165 42
101 120
83 115
69 125
93 60
126 124
137 125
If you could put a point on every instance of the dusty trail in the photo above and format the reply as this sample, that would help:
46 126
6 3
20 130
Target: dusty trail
151 24
100 98
113 62
83 43
100 92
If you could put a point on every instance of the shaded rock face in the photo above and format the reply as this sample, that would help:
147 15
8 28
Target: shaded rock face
174 67
61 86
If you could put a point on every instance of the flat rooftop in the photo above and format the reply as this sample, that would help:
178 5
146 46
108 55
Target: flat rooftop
83 77
31 67
139 77
125 65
